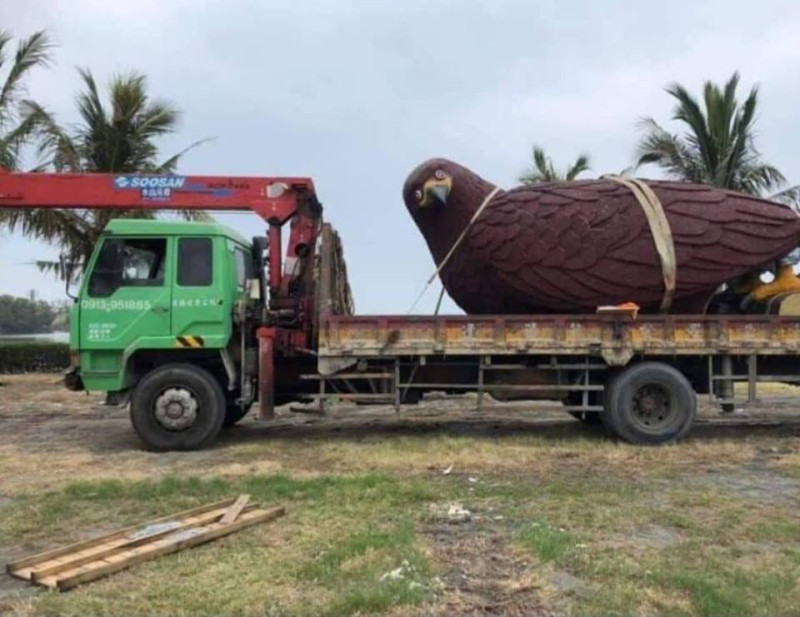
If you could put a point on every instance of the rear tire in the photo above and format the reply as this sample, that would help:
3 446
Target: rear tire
177 407
649 403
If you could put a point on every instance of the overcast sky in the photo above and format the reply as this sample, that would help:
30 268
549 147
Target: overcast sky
355 94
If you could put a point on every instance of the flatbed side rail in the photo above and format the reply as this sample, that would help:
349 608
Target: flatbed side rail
615 338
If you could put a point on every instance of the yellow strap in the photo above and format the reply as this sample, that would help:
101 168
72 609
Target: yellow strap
662 233
463 235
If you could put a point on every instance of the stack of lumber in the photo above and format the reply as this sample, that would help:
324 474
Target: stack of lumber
64 568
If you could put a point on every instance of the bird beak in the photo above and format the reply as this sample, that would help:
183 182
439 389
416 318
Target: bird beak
436 190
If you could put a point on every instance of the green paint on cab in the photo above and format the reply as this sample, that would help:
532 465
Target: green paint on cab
149 282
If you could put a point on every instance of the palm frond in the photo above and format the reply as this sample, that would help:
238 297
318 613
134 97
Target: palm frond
5 38
67 267
541 162
52 140
788 197
668 151
170 165
157 119
31 52
543 169
743 146
759 178
718 145
580 165
90 105
688 111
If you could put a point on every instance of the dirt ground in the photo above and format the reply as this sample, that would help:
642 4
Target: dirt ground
41 422
50 438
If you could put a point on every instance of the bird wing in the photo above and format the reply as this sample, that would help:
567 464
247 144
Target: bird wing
581 244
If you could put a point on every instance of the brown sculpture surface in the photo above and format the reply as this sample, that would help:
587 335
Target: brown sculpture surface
574 246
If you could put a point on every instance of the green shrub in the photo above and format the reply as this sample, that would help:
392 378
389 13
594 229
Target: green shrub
27 357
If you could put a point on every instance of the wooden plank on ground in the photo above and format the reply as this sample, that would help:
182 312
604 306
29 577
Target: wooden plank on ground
143 536
66 567
84 544
235 510
186 538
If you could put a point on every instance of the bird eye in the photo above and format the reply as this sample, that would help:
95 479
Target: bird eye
418 194
439 174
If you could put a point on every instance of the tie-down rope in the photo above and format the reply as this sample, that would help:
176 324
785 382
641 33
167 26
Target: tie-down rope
452 250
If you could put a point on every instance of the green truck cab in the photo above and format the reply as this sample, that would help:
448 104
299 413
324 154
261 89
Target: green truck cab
156 321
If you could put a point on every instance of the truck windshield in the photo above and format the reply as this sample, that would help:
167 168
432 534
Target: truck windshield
129 262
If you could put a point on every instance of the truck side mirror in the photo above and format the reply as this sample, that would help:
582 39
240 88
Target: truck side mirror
67 267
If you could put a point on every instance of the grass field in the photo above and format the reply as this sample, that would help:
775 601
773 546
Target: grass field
560 520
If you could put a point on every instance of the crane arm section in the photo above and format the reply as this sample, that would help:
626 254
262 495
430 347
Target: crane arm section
275 199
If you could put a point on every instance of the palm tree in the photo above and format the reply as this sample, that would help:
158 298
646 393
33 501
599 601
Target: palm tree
16 128
718 147
544 171
117 137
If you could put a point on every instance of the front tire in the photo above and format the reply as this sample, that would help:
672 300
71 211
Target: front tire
649 403
177 407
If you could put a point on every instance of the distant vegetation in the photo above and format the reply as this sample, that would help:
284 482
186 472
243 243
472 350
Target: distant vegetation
30 316
38 357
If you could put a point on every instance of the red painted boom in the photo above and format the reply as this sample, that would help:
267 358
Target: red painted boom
274 199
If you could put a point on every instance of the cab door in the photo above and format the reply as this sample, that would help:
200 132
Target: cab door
126 301
201 308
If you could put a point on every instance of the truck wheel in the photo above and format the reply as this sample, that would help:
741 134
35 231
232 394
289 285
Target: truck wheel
234 413
649 403
177 407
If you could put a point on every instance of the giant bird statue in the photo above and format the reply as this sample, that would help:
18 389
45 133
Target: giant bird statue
574 246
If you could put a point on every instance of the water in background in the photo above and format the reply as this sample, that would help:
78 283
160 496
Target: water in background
51 337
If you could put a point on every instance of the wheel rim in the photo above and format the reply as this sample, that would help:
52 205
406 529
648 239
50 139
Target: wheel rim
653 408
176 409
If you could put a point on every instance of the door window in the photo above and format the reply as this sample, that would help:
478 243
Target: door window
128 262
195 262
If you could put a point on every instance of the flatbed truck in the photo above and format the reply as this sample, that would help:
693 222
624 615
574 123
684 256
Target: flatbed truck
191 325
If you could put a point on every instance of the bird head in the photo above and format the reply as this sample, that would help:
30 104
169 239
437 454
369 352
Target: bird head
441 196
440 185
429 185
